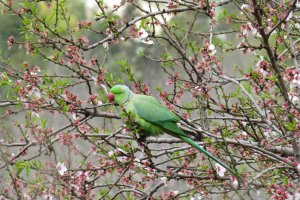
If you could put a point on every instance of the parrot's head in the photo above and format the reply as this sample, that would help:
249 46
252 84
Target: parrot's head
120 94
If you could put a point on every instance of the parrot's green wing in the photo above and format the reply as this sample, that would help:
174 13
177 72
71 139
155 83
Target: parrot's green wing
151 110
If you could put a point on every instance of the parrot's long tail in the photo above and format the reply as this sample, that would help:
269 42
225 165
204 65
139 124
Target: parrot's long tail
194 144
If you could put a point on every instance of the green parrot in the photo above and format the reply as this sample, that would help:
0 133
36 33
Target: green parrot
152 117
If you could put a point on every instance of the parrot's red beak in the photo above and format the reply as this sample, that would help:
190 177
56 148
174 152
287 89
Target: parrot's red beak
111 97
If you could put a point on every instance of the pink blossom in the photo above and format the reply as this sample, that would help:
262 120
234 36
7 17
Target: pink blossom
84 24
220 169
171 5
84 40
10 41
173 193
248 29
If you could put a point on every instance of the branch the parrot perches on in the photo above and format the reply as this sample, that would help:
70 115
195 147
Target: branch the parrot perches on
153 118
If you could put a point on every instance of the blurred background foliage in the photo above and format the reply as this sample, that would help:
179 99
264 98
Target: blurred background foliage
144 69
134 54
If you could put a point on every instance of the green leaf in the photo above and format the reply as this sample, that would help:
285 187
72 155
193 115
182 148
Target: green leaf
241 169
21 165
36 164
43 123
27 168
209 140
291 126
247 86
254 75
129 197
4 83
221 14
203 167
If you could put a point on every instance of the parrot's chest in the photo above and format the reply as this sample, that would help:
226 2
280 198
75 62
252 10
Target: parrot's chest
149 129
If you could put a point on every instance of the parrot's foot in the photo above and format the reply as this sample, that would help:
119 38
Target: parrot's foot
198 137
141 140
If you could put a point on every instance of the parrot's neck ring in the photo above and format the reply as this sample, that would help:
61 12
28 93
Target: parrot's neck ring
127 98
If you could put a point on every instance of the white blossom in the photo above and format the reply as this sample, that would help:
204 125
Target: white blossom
289 16
220 169
234 182
143 37
105 45
263 72
110 153
267 134
75 116
212 49
289 197
76 187
197 196
51 101
115 152
249 30
199 128
294 99
164 180
76 175
105 89
174 192
26 196
123 131
143 34
121 150
296 81
99 103
258 35
258 193
122 159
244 6
35 73
61 168
297 194
48 197
94 79
35 114
35 92
244 133
270 134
